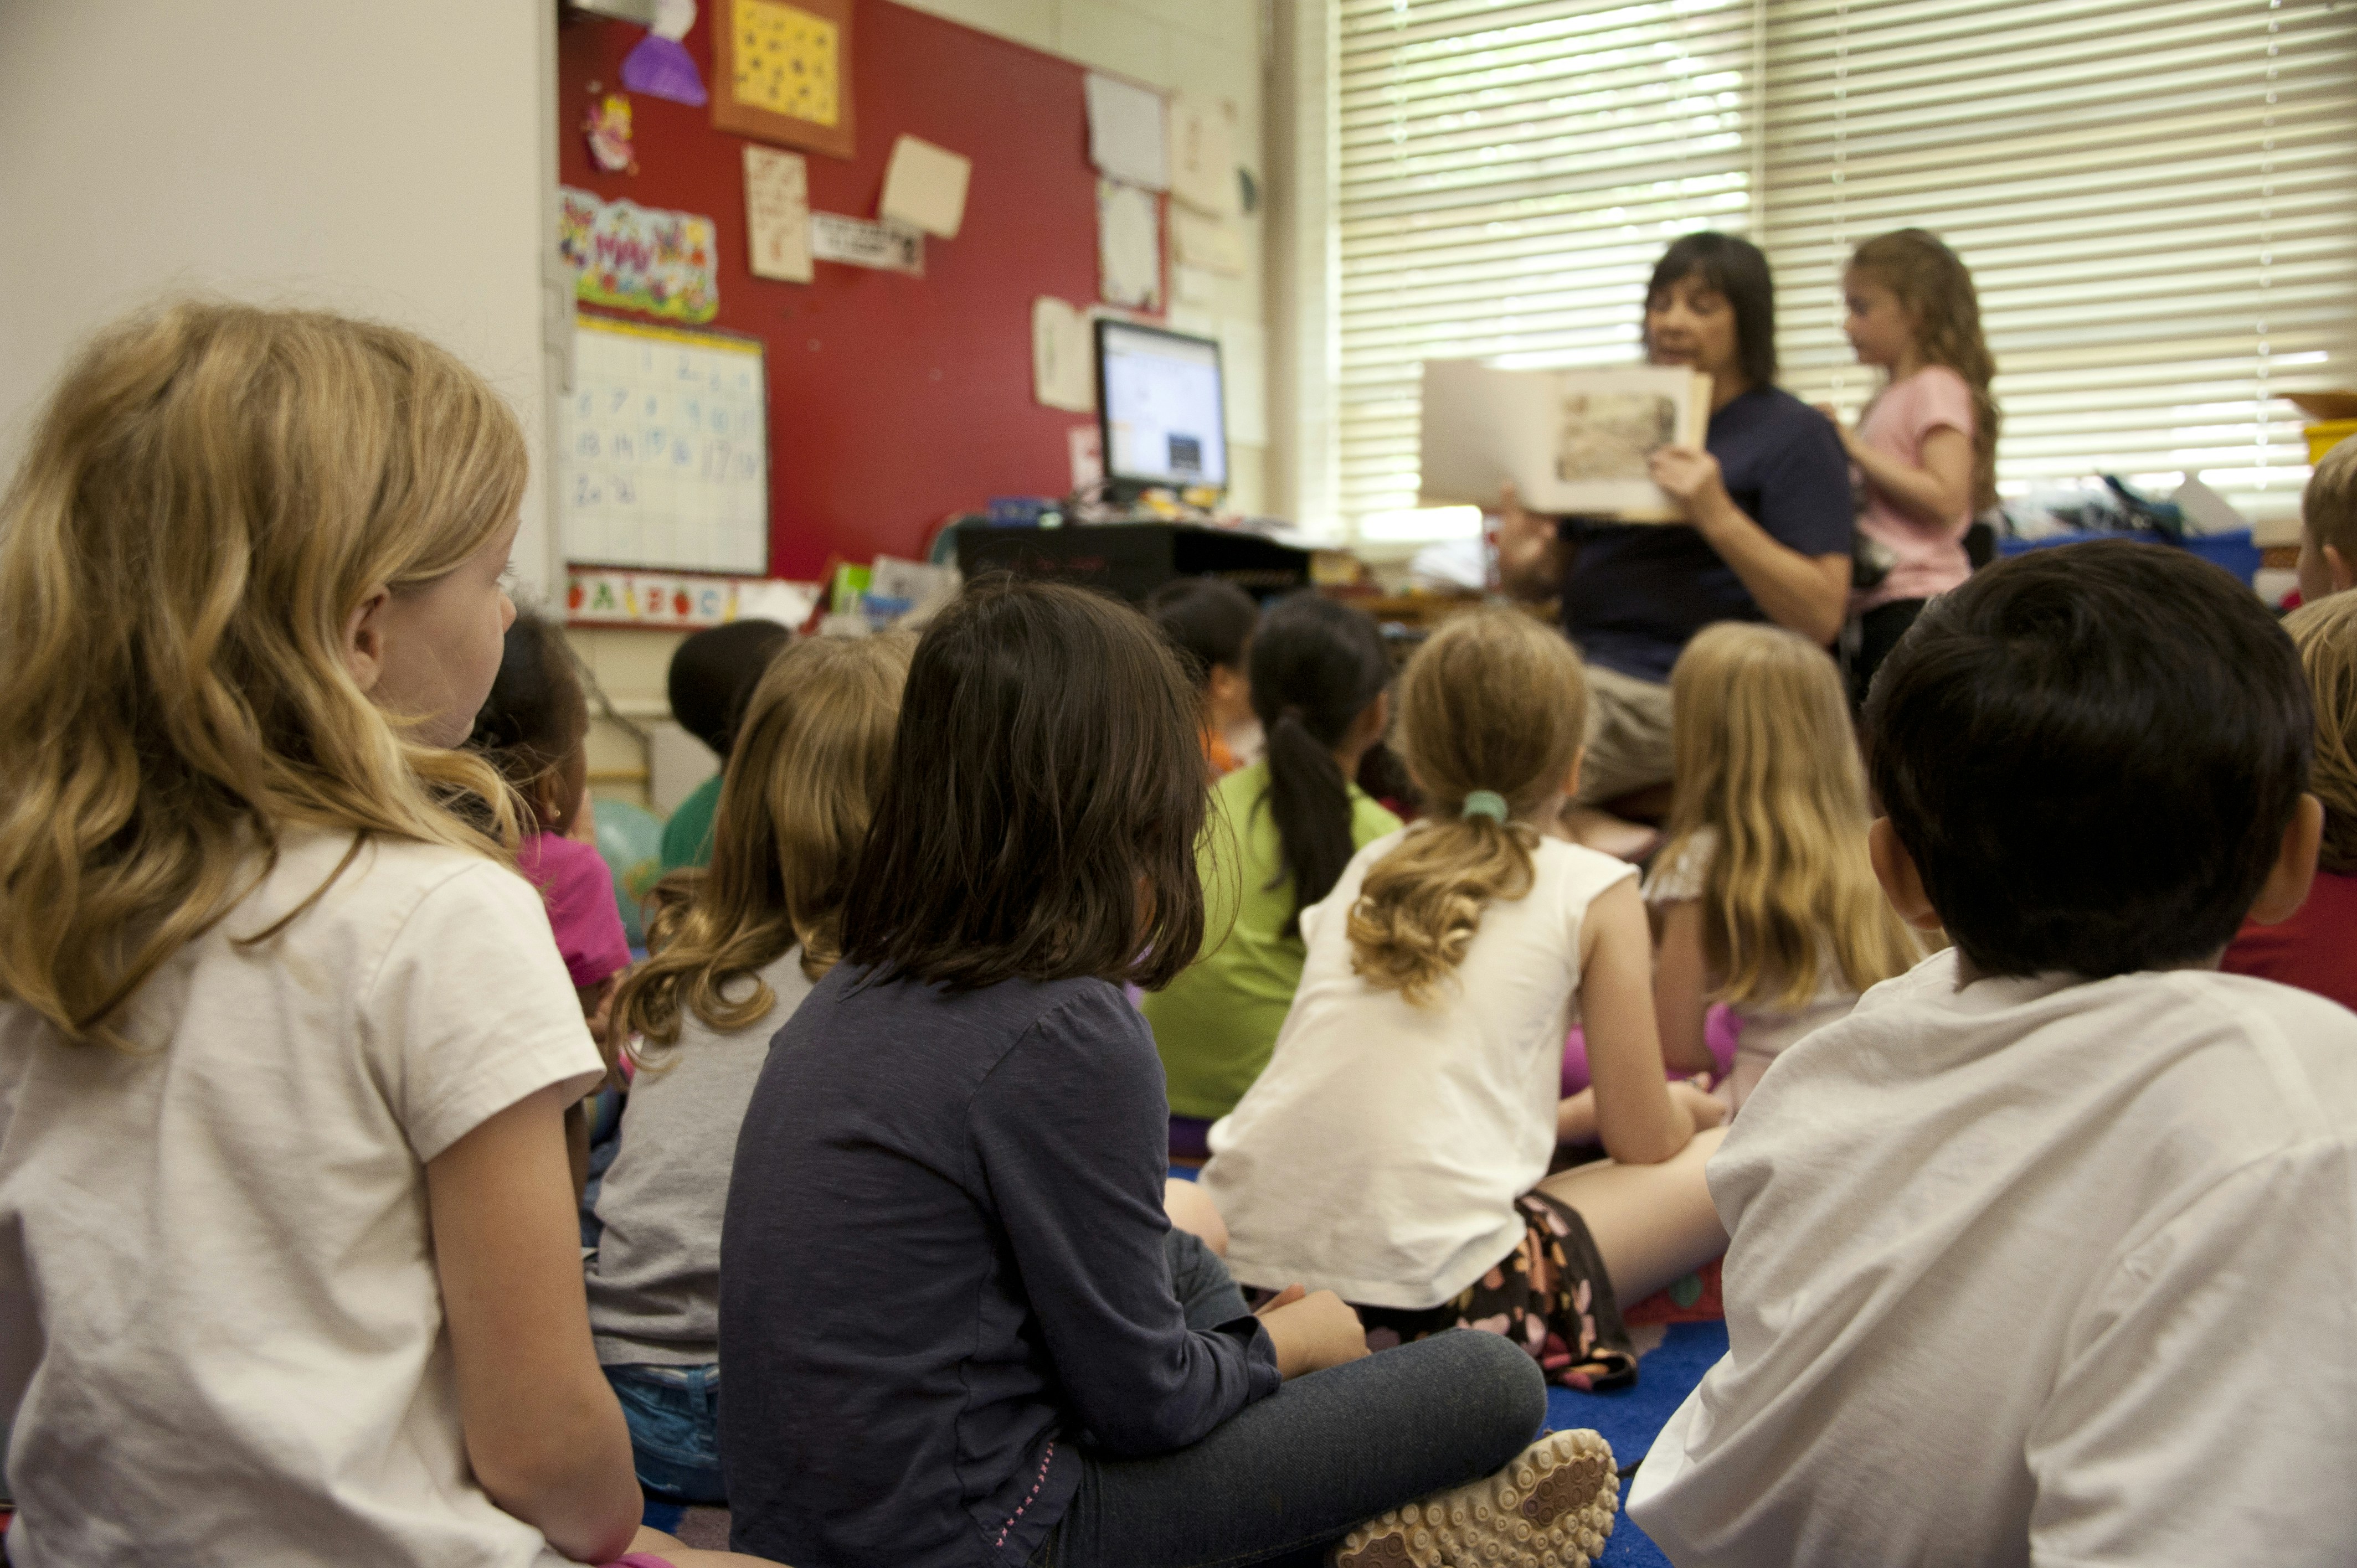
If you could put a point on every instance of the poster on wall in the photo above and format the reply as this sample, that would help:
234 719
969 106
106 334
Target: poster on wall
783 72
777 214
639 258
662 456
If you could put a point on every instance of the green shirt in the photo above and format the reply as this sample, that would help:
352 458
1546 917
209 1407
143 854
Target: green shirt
687 837
1216 1023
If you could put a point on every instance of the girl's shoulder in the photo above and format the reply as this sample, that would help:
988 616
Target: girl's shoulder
1680 873
1574 873
1934 395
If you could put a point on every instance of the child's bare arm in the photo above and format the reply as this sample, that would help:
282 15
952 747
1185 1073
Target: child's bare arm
1939 491
1638 1121
1682 989
543 1432
1575 1118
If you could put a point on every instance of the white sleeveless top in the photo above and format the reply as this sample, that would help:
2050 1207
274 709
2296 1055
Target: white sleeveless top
1380 1155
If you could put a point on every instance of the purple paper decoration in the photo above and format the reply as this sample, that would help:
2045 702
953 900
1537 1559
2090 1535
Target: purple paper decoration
662 68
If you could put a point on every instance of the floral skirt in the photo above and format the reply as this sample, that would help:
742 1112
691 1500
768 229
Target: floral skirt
1550 1295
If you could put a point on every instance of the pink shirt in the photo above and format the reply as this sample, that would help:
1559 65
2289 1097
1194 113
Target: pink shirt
1931 555
578 893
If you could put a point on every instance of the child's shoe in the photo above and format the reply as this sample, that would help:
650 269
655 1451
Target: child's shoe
1551 1507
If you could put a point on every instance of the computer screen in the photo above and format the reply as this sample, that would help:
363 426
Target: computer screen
1161 410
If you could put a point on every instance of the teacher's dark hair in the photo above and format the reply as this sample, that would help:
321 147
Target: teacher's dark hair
1736 270
1040 819
1316 665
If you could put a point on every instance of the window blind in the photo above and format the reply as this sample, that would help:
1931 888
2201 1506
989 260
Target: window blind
2153 197
1507 176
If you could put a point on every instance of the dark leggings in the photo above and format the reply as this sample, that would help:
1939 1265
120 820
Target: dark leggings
1285 1478
1880 630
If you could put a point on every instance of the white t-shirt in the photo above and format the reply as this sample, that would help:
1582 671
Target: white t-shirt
1380 1155
221 1327
1768 1029
654 1281
2038 1270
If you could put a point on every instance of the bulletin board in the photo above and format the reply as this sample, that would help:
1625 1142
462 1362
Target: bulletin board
894 400
662 451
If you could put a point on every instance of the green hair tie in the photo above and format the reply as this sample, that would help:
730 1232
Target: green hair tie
1485 803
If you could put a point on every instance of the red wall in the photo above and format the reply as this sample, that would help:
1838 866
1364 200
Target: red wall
894 400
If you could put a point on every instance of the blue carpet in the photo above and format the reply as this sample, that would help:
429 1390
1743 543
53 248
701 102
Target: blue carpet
662 1515
1630 1418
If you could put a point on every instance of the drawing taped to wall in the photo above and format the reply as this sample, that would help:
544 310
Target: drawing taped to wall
637 258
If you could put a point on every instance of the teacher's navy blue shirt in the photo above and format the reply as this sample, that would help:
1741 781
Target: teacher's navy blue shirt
944 1276
1635 592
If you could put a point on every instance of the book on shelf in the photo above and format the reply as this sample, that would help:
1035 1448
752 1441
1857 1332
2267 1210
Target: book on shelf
1571 441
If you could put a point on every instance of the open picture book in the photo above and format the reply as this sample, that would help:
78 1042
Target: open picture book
1572 441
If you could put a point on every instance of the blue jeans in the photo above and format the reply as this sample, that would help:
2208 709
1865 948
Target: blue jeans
674 1416
1284 1478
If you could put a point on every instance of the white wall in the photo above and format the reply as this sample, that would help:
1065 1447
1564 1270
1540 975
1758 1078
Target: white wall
392 160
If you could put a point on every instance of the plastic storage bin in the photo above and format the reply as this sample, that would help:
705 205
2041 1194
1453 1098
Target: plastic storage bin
2233 549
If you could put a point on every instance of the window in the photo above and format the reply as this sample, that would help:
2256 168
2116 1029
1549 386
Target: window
2152 194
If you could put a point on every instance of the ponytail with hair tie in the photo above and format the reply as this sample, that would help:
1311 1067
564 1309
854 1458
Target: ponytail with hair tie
1317 666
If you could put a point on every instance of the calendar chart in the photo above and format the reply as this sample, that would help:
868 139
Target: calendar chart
662 450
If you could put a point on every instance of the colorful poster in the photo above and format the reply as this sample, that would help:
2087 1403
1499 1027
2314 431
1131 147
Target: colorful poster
639 258
788 62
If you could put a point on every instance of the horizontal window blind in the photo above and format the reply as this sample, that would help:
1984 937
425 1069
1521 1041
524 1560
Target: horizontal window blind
2155 198
1508 175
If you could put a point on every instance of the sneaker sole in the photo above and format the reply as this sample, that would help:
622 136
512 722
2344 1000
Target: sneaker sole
1552 1508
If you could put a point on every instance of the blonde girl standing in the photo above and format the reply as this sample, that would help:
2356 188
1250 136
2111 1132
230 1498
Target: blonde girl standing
1763 894
288 1262
1396 1149
1926 446
736 945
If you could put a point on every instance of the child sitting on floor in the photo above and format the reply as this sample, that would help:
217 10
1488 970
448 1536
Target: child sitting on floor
288 1265
1396 1149
1762 896
1209 621
1281 831
736 947
2042 1253
712 673
953 1332
2315 947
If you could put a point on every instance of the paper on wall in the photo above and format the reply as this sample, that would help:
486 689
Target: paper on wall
1062 373
1212 243
1203 156
1129 246
855 242
777 213
924 187
1128 140
1192 286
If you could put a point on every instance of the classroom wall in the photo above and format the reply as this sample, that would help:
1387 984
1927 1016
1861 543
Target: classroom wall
389 160
1211 48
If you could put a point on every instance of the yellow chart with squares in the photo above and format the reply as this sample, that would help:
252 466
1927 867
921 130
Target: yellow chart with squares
662 455
788 62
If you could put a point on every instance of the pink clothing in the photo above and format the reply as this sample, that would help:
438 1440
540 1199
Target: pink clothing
1931 555
578 893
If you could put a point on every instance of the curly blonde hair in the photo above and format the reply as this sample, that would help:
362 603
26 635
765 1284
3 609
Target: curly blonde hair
209 496
1934 286
1493 700
1767 765
801 785
2326 634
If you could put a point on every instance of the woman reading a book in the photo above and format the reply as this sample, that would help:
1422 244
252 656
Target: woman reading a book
1769 516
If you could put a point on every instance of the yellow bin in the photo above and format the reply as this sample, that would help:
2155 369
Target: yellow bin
2324 437
2336 416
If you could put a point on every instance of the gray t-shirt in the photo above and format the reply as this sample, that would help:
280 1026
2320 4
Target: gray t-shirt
654 1281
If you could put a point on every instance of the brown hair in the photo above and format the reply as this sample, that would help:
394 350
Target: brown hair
1936 288
1767 765
1045 792
2326 634
537 710
2328 508
209 494
811 757
1493 701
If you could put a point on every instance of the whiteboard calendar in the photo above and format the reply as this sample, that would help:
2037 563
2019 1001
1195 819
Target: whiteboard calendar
662 450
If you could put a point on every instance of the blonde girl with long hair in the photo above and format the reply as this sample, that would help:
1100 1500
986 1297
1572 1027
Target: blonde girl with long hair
288 1264
734 948
1763 893
1925 447
1396 1149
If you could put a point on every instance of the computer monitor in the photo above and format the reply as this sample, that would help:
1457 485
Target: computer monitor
1159 408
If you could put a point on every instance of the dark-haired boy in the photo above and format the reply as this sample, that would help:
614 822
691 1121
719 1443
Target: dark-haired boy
2048 1254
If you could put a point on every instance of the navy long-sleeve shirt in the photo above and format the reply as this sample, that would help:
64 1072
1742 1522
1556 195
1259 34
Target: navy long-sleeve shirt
942 1267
